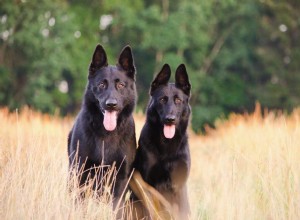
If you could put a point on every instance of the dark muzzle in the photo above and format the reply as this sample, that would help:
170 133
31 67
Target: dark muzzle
111 104
170 119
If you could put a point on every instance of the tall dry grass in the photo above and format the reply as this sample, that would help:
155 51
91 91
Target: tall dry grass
34 170
248 168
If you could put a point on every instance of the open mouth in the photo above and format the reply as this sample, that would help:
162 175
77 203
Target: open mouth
169 130
110 120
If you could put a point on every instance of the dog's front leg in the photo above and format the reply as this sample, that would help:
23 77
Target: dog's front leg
179 174
119 197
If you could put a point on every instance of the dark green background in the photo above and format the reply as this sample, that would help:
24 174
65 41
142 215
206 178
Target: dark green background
237 52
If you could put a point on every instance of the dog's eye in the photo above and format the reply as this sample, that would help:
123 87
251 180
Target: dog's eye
120 85
163 100
101 85
177 100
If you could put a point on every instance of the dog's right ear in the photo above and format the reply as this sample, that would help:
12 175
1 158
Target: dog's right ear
99 60
162 78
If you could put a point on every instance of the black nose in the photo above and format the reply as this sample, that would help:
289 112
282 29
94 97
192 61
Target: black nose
170 119
111 103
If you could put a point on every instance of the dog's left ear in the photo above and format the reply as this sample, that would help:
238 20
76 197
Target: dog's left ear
126 61
182 79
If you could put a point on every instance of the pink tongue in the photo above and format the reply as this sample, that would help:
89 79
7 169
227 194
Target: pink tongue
110 120
169 131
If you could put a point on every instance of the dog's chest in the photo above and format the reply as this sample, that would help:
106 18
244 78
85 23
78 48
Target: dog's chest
108 150
158 169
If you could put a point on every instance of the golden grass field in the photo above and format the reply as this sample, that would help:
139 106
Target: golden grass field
247 168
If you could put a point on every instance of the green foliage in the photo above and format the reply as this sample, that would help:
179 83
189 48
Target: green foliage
35 50
236 52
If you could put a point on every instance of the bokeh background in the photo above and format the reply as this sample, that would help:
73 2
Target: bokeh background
237 52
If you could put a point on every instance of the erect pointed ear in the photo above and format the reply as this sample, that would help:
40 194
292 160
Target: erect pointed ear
99 59
126 61
162 78
182 79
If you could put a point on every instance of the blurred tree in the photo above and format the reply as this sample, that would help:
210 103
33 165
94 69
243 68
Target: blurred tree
233 50
278 50
45 49
236 52
33 51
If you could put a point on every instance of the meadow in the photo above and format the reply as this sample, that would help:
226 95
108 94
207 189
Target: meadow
246 168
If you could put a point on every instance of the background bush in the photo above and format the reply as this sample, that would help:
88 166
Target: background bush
236 52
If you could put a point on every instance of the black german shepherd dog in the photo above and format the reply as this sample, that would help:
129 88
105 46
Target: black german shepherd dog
163 156
104 130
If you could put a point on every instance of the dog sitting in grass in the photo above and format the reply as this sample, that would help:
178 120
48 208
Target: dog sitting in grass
103 134
163 156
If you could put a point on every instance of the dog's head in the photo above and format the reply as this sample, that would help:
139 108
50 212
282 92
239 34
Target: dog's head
112 87
171 100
